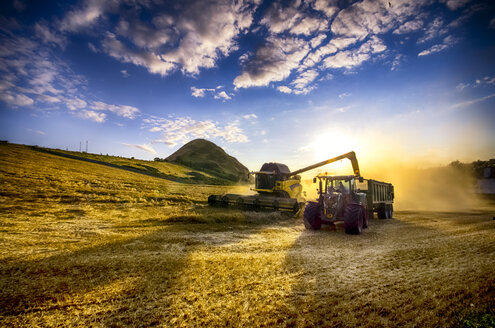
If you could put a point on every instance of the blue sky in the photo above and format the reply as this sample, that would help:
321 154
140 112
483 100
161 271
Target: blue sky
288 81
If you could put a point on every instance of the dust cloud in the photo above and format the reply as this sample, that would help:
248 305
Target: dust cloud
427 189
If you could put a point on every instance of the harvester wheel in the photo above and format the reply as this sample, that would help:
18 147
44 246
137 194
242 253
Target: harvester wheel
225 200
239 202
312 216
353 219
275 205
382 211
256 205
212 199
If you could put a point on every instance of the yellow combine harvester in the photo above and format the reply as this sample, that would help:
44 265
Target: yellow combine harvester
277 187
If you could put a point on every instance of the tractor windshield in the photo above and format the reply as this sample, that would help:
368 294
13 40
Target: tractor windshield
341 186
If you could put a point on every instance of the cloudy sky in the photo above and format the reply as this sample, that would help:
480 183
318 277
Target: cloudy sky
288 81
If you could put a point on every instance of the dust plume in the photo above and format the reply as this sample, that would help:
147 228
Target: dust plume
431 189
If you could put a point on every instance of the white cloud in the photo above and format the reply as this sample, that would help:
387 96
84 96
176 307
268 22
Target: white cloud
447 42
36 131
284 89
16 99
48 35
410 26
250 116
317 40
222 95
303 80
194 36
492 23
217 93
86 14
353 58
435 29
455 4
182 129
273 61
471 102
144 147
343 95
120 110
329 7
152 62
374 17
74 103
125 73
92 115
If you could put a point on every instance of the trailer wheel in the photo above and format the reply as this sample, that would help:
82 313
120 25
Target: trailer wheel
312 216
353 219
365 219
382 211
390 211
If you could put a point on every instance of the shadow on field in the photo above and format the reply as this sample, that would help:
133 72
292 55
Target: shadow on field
126 283
404 271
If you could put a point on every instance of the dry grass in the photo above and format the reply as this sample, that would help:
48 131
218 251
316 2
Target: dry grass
87 245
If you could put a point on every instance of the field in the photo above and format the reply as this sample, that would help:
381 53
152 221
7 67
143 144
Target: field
83 244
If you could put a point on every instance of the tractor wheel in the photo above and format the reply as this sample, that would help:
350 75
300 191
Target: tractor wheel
312 216
353 219
225 200
382 211
212 199
256 205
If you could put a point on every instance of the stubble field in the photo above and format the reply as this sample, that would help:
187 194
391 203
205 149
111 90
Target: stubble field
82 244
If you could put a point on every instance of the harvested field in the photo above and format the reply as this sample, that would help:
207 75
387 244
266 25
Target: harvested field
86 245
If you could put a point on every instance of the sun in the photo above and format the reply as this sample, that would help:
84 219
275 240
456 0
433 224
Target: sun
332 143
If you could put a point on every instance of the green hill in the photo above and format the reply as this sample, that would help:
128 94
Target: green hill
164 170
205 156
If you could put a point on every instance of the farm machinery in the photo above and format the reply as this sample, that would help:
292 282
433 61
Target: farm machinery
350 199
277 187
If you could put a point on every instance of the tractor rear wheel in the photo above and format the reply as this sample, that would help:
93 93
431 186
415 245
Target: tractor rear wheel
353 219
312 216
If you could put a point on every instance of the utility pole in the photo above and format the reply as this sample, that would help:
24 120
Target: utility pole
86 145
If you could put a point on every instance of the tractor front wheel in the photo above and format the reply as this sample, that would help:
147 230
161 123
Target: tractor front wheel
312 216
353 219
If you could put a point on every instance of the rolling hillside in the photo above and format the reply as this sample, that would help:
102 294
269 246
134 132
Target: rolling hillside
205 156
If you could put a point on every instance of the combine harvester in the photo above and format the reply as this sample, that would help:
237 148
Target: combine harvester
277 187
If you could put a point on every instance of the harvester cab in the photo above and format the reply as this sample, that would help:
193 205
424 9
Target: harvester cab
276 179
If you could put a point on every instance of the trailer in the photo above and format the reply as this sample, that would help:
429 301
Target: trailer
379 197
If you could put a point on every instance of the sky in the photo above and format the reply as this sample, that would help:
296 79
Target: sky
294 82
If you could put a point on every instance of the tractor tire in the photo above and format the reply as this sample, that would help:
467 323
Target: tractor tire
353 219
382 211
312 216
